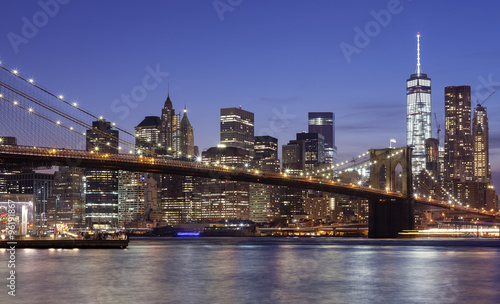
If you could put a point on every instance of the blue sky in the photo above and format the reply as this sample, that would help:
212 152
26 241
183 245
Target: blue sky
278 59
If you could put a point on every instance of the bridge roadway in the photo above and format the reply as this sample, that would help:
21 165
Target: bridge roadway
139 163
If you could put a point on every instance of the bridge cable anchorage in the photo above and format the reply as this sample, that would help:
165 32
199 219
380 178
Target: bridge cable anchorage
55 122
61 98
65 115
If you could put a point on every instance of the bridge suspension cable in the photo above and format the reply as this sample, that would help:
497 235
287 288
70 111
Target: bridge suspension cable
59 113
30 81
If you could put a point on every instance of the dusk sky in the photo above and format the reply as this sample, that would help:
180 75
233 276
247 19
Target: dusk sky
278 59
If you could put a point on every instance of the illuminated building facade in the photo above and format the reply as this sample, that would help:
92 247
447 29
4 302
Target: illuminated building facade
480 130
218 199
68 194
237 129
264 199
458 156
147 136
418 114
167 126
324 124
101 186
186 137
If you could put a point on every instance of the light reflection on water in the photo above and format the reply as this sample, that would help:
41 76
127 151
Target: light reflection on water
262 270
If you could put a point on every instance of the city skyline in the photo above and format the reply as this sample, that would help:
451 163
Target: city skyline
279 71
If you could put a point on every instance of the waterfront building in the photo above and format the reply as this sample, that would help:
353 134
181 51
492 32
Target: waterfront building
66 204
217 199
264 199
418 114
40 186
101 186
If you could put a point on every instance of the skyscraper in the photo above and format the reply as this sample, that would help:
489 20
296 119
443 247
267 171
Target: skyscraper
324 124
187 138
101 186
147 136
264 199
458 156
237 129
480 130
418 113
166 128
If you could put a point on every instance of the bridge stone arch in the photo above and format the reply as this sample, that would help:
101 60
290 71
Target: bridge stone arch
388 217
390 158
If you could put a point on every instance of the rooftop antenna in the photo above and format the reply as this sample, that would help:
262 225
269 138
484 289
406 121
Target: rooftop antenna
418 53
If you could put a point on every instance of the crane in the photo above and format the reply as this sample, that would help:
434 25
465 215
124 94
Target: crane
480 104
438 126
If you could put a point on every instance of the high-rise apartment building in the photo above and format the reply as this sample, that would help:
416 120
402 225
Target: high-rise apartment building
237 129
101 186
324 124
458 156
418 114
480 130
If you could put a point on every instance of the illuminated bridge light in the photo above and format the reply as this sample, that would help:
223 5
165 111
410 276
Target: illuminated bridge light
15 103
75 104
31 80
61 97
30 109
15 71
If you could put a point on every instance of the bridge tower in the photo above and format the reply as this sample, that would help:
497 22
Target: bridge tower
391 170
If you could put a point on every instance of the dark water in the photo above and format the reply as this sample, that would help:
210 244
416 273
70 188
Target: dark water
262 270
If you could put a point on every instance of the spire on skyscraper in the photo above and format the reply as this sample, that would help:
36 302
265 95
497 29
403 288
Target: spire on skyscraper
418 54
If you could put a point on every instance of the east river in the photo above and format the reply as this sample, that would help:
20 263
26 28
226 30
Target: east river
261 270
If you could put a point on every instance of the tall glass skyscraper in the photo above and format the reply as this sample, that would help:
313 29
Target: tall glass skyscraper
418 113
324 124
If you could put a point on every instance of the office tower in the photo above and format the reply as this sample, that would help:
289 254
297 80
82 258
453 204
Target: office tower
458 157
66 204
130 196
264 199
167 126
147 136
176 135
177 198
418 114
36 183
101 186
186 137
292 157
237 129
303 154
324 124
218 199
314 150
480 130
